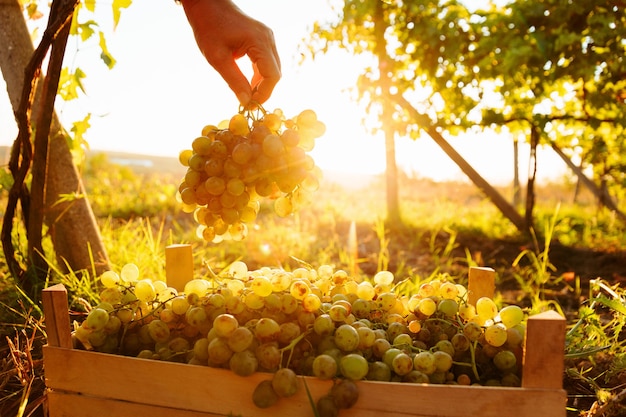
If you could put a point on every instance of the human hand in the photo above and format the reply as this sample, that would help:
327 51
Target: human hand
224 33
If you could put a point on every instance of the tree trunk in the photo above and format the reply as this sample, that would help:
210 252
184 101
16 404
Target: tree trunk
72 225
517 191
530 185
597 191
500 202
391 171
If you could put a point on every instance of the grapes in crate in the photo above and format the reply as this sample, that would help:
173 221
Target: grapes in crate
255 155
320 322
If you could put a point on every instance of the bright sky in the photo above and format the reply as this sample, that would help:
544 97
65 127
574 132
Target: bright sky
162 92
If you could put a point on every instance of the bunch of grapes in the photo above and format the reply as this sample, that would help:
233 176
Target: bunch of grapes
254 155
319 322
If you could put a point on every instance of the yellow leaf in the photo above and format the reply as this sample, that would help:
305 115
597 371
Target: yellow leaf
117 6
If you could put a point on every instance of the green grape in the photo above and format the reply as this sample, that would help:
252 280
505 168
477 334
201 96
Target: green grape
273 146
109 279
261 286
219 351
389 355
243 363
144 290
178 345
311 302
401 340
425 362
338 313
240 339
386 301
448 307
125 315
254 301
467 311
346 338
345 393
472 331
201 349
129 273
402 364
97 338
113 325
486 309
448 291
324 366
269 356
365 291
325 407
283 206
180 305
112 295
195 316
378 371
225 324
511 316
264 395
183 157
496 334
285 382
281 281
242 153
299 289
416 377
353 366
443 361
289 303
427 307
460 342
366 337
266 329
505 360
158 331
514 336
97 319
384 278
380 346
197 286
426 290
362 308
288 332
323 325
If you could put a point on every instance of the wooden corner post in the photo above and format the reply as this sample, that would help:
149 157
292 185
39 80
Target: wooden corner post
544 351
56 312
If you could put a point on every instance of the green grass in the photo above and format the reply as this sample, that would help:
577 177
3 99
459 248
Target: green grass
448 228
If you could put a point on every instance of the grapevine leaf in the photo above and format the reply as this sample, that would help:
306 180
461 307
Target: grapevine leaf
118 5
33 12
70 83
85 30
106 56
90 5
79 128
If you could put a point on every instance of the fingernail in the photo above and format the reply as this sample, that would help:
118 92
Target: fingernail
244 98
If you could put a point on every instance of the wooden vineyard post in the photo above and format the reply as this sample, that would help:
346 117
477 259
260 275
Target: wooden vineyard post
481 283
544 351
56 311
178 265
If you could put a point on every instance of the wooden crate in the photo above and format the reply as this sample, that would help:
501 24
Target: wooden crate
89 384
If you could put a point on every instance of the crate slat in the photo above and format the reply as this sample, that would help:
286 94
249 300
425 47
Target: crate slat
63 404
220 392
